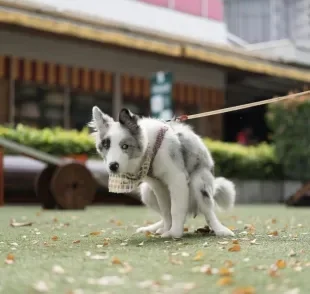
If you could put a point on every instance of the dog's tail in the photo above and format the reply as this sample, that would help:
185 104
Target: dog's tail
225 193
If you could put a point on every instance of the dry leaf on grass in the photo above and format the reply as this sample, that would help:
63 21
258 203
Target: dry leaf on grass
107 281
249 228
116 260
228 263
235 241
298 268
16 224
41 287
273 234
99 257
175 261
292 253
273 220
253 242
185 229
244 290
199 255
281 264
55 238
10 259
235 248
166 277
204 230
57 269
95 233
146 284
76 242
223 242
225 272
225 281
273 271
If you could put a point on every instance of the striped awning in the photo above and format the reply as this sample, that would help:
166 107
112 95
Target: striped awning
44 72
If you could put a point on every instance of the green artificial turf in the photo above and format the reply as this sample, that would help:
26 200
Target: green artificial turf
155 265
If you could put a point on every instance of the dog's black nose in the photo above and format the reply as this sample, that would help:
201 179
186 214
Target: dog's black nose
114 166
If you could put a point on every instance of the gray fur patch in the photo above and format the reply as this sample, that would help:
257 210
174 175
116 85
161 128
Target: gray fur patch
191 161
205 194
104 146
131 146
129 121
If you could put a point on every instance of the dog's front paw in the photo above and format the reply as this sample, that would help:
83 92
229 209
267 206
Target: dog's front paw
224 232
172 234
161 231
142 230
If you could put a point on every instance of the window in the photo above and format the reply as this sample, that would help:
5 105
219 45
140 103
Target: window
81 105
39 105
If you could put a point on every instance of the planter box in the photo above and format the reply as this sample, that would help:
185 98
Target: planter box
253 191
79 157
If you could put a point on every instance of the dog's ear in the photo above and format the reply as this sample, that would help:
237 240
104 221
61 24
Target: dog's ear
129 120
101 121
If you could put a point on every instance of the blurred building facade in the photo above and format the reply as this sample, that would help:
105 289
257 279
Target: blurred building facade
58 58
278 28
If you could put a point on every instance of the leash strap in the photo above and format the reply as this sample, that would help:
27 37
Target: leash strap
159 140
238 107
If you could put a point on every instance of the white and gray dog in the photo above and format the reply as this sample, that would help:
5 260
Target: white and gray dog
182 181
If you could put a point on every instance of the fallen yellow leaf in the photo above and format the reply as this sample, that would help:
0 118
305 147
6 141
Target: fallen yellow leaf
116 260
281 264
235 241
274 233
198 256
55 238
95 233
235 248
224 281
225 272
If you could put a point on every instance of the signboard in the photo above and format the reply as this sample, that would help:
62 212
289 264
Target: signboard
161 95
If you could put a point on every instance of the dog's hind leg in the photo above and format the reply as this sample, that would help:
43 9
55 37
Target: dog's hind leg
202 188
148 197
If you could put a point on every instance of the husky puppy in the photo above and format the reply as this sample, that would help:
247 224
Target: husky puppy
182 181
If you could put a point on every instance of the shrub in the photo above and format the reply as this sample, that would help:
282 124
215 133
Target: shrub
232 160
242 162
289 122
55 141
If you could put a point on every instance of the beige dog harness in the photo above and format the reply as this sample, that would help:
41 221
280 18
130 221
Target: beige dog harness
127 182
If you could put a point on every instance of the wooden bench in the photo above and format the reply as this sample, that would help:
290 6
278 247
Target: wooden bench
64 183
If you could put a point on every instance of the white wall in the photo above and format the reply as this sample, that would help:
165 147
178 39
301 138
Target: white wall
79 53
145 16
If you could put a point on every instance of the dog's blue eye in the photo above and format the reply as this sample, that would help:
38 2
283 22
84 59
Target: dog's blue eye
124 146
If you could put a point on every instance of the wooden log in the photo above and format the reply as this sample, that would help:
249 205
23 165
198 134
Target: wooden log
42 187
73 186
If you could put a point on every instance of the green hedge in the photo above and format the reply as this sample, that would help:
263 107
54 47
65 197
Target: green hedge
243 162
289 124
232 160
55 141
